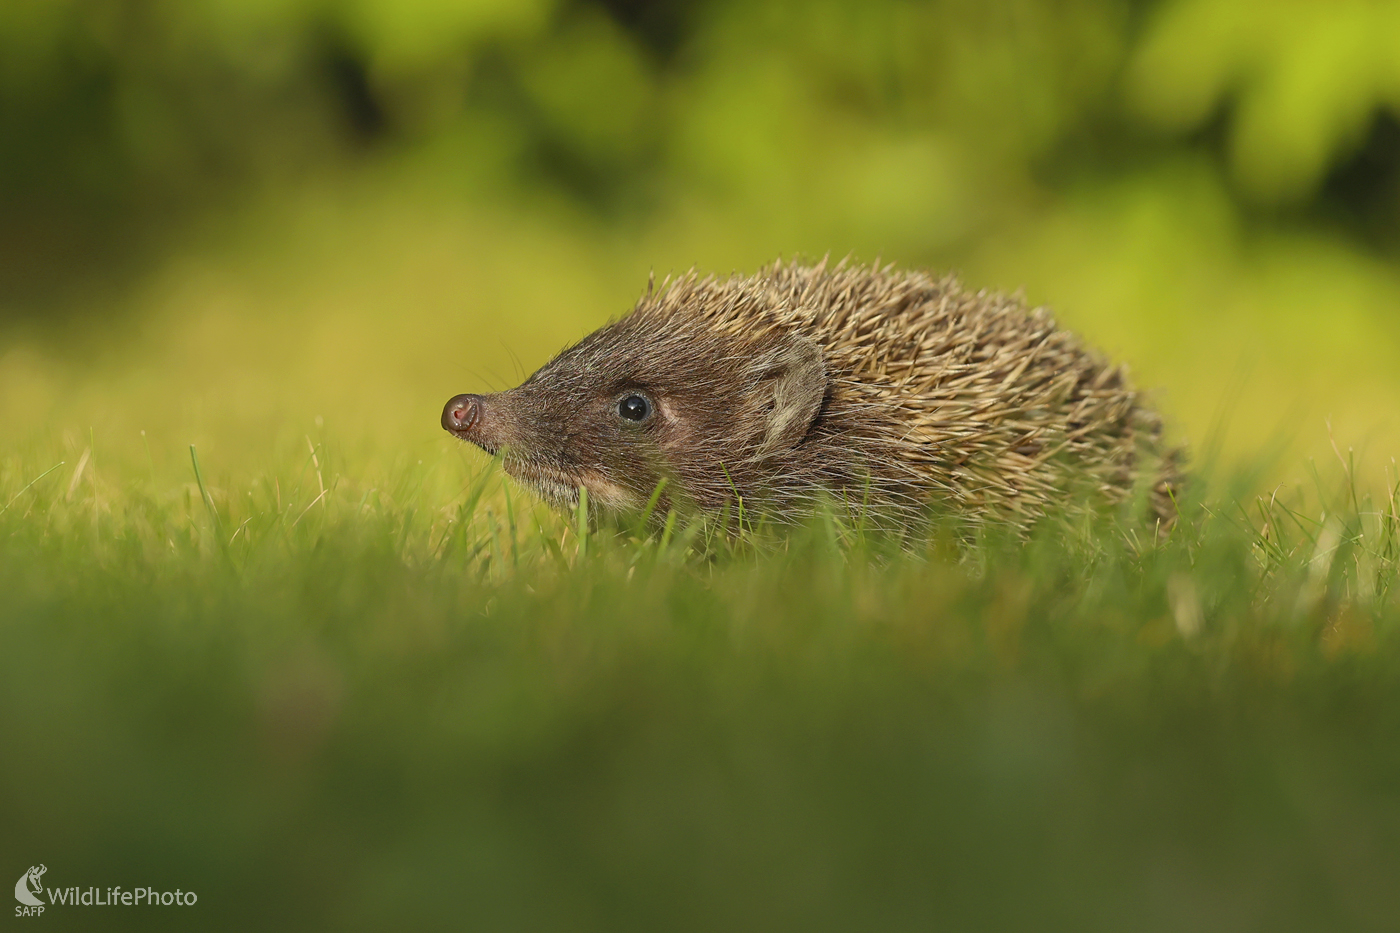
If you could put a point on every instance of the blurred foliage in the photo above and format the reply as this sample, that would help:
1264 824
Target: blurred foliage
1208 190
1304 83
923 113
273 209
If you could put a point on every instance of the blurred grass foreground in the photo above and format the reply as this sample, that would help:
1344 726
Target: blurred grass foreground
269 635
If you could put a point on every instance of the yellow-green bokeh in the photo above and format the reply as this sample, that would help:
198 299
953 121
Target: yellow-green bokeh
338 255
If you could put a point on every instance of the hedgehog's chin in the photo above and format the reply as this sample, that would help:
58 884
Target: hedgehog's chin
555 494
561 492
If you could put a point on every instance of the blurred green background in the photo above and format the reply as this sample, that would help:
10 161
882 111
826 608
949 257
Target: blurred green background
226 221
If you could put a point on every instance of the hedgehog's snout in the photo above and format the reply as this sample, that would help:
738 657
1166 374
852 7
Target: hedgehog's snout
461 414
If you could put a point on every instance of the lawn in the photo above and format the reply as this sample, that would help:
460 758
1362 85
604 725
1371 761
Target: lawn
409 699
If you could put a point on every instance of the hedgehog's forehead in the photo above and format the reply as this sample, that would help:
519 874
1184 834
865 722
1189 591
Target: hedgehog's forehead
653 347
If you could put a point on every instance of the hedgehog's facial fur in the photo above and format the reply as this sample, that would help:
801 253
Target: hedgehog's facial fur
719 409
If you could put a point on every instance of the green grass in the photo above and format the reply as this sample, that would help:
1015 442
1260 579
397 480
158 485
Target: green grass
415 701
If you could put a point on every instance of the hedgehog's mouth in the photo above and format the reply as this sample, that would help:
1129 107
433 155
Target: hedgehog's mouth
466 434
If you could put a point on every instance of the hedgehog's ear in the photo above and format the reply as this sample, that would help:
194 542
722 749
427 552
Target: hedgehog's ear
791 386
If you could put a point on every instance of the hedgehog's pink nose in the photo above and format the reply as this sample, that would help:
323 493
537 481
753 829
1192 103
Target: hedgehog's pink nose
461 413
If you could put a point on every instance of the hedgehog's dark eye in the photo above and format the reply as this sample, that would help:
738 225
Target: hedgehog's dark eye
634 408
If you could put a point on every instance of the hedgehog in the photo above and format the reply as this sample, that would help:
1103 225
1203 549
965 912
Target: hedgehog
895 392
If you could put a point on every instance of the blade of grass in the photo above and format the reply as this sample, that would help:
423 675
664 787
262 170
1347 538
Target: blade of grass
204 494
645 518
581 523
30 485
